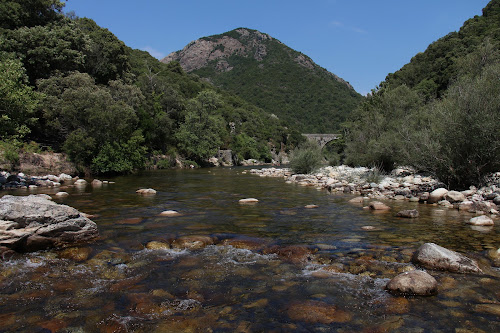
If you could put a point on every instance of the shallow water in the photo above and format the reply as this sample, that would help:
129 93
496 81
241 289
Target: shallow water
119 286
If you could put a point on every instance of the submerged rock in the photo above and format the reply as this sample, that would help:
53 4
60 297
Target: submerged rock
146 191
34 222
410 213
293 253
193 242
314 312
415 282
433 256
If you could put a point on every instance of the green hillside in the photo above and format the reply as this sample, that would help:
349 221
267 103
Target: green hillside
69 85
440 113
267 73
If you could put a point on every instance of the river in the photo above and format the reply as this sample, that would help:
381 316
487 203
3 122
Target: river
331 279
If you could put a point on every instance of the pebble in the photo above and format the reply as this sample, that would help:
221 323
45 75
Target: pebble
170 213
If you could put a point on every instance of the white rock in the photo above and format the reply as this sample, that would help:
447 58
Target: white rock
481 220
146 191
437 195
170 213
62 194
248 201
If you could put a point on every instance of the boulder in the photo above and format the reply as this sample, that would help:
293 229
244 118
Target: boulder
34 222
433 256
454 196
146 191
409 213
437 195
418 283
80 182
496 200
377 205
96 183
482 220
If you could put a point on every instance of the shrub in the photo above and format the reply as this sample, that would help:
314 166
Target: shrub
307 158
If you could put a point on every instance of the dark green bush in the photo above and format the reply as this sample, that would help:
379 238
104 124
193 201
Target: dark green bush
307 158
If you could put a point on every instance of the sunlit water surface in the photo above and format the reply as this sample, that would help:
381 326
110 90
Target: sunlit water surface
123 287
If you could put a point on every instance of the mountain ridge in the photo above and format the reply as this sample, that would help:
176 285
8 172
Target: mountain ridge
266 72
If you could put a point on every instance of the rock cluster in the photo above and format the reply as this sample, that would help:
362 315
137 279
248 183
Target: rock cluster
401 184
34 222
20 180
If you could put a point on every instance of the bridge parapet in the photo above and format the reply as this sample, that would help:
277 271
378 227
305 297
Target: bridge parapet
322 139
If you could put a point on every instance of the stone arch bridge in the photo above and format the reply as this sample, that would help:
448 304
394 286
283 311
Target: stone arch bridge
322 139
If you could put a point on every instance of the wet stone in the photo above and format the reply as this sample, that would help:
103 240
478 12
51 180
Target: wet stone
76 253
193 242
156 245
415 282
314 312
410 213
433 256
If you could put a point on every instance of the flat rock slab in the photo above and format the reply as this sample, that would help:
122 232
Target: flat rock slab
248 201
433 256
34 222
416 282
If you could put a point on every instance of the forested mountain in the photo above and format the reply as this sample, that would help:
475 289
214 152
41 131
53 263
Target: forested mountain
72 86
280 80
439 113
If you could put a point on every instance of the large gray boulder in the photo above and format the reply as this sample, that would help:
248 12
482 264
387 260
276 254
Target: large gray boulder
413 283
433 256
34 222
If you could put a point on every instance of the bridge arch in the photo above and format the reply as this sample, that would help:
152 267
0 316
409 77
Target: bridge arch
322 139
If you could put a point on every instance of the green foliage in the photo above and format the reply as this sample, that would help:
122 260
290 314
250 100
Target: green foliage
376 131
44 50
18 13
106 56
462 144
441 112
200 135
116 157
306 158
17 100
245 147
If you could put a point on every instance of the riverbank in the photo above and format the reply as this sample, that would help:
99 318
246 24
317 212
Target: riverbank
400 184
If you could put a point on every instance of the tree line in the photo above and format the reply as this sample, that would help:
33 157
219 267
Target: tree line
72 86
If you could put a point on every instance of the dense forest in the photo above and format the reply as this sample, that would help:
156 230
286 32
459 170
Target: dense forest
69 85
282 81
440 113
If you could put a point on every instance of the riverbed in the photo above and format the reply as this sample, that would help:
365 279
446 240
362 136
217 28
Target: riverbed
273 266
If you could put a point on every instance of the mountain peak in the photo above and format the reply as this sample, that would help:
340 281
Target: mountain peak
257 66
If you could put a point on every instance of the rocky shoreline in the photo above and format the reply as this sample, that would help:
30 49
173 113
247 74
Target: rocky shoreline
402 184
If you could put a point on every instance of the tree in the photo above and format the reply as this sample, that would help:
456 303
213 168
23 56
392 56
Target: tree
17 100
199 136
29 13
44 50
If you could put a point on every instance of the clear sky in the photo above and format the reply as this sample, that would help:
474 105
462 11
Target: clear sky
359 40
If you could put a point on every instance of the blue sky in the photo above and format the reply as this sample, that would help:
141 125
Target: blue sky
359 40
